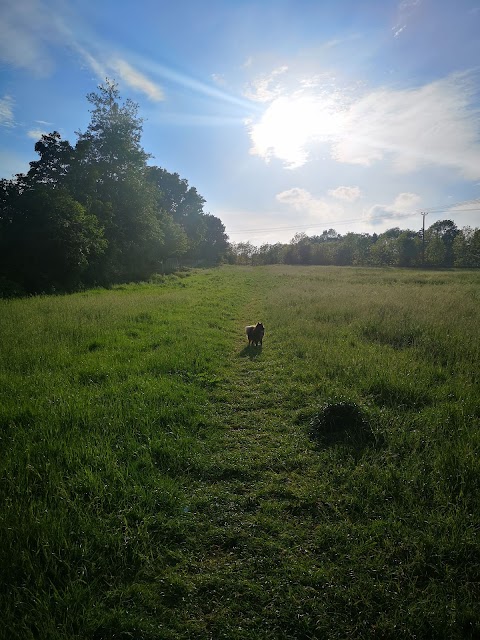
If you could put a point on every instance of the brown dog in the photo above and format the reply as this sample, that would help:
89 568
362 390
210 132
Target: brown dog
255 333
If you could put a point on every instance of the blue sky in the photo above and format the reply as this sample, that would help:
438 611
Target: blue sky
287 116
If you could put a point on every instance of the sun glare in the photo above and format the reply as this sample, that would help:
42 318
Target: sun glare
291 123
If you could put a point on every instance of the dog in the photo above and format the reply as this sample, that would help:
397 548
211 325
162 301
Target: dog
255 334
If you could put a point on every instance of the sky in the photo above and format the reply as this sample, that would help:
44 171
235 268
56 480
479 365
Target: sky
287 116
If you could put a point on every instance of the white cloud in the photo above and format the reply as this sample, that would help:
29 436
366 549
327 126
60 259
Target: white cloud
263 89
136 80
431 125
295 197
403 206
304 203
350 194
35 134
6 111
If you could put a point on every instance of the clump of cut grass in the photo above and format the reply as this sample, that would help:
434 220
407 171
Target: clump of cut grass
341 421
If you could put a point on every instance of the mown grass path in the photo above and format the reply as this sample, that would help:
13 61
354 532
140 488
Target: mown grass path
159 481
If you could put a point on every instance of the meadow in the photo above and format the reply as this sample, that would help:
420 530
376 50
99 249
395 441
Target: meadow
161 480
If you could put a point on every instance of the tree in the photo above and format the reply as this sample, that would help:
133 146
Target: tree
384 251
183 203
270 254
474 249
175 241
352 249
466 248
243 252
409 248
446 231
327 236
299 251
53 167
95 213
49 241
111 143
214 244
435 253
110 180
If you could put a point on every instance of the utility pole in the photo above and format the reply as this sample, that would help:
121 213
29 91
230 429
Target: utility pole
423 213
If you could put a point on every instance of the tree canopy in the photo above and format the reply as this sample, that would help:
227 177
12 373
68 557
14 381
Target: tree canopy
96 212
446 246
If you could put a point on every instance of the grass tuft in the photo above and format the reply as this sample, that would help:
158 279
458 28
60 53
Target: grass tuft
341 421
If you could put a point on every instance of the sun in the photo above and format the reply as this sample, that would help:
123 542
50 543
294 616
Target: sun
292 123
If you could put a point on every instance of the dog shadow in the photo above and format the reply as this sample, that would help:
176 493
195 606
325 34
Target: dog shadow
251 352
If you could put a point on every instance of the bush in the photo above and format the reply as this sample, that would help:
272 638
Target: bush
10 289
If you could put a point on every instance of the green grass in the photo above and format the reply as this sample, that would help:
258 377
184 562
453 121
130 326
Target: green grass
159 478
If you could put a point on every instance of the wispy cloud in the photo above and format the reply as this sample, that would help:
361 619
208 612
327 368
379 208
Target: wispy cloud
349 194
407 5
136 80
30 30
26 30
6 112
405 13
218 78
104 65
94 63
35 134
404 205
432 125
468 205
435 124
265 88
186 81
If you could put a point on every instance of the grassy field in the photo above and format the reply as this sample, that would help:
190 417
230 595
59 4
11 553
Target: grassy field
160 479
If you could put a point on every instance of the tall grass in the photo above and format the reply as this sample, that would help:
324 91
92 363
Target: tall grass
159 478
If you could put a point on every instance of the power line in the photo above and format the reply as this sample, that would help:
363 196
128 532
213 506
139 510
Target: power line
299 226
448 207
438 209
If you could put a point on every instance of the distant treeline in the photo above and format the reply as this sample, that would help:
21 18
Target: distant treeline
96 213
442 246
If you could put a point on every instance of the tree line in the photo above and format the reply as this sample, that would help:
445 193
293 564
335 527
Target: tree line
96 213
443 245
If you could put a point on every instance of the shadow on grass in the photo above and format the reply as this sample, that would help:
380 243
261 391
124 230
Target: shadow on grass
250 352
